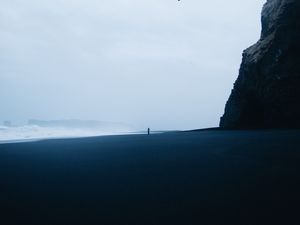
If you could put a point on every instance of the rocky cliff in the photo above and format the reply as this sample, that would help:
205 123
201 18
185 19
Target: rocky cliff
266 93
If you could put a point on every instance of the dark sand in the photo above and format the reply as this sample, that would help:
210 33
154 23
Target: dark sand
208 177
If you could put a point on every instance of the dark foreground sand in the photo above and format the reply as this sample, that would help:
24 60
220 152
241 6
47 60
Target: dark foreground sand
209 177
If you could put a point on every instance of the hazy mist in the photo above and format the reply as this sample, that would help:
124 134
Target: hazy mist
164 64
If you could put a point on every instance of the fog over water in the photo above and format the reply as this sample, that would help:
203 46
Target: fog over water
11 134
40 129
151 63
27 132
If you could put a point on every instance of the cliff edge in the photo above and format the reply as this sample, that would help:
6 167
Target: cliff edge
266 93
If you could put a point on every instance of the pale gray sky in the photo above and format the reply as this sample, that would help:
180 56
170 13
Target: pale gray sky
158 63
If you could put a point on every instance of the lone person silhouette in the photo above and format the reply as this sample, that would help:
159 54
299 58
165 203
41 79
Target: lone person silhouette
148 131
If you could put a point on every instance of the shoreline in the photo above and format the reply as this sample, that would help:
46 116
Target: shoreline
79 137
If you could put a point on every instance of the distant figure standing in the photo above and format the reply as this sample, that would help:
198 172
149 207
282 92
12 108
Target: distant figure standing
148 130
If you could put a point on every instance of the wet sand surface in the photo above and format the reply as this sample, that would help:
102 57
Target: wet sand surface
207 177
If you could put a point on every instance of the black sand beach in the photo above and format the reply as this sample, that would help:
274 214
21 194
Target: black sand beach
208 177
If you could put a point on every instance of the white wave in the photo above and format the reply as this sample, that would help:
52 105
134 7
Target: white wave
33 132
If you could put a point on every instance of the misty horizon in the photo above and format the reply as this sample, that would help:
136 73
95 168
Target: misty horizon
166 65
45 129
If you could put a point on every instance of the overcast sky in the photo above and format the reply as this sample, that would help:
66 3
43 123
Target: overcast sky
158 63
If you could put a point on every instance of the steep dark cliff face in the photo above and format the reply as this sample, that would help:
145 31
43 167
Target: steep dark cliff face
267 91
